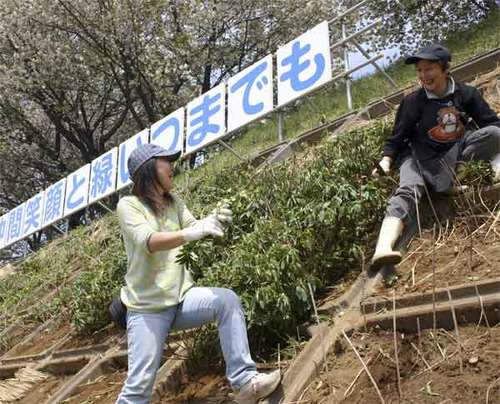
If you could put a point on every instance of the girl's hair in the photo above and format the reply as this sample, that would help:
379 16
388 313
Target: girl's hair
146 185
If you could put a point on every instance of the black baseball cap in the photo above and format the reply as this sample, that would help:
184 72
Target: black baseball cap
433 52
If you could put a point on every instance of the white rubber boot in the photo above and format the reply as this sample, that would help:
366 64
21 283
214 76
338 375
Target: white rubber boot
384 254
495 165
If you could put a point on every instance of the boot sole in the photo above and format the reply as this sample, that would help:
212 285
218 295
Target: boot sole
385 260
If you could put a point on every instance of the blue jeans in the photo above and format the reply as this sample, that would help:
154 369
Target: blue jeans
147 332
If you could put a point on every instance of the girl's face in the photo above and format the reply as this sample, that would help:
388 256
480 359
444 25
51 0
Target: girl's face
164 174
432 76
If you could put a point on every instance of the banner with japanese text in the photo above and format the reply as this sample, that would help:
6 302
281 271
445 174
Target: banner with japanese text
4 229
206 116
77 190
250 93
125 150
304 64
16 216
168 132
53 205
33 215
103 175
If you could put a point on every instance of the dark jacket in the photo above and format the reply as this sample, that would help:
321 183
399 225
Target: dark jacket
432 126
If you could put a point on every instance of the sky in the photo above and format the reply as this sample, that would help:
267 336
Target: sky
356 58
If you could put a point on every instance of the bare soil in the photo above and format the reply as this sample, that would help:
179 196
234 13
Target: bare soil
103 390
44 340
100 337
16 336
203 386
42 391
210 386
445 383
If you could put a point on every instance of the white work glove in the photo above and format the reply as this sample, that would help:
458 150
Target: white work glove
209 226
384 164
223 214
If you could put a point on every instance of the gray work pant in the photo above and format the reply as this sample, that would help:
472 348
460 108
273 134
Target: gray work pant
438 174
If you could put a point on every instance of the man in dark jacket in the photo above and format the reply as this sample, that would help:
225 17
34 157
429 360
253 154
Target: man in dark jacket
437 126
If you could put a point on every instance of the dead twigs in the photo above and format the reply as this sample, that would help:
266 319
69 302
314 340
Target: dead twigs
349 389
421 356
396 342
325 363
419 333
483 312
444 268
408 256
436 364
460 360
434 337
418 213
497 217
365 367
489 388
434 278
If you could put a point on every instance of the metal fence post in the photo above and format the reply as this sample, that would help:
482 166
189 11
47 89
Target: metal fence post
347 68
280 126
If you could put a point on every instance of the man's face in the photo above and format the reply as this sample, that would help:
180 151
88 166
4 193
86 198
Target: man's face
432 76
165 174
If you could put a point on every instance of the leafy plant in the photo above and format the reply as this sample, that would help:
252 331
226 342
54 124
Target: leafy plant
297 224
93 290
475 173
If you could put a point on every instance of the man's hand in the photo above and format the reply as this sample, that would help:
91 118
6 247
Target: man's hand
384 165
209 226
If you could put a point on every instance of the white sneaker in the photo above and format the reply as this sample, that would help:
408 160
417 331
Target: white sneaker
258 387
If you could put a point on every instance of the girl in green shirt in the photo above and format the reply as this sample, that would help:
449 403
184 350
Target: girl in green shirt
159 293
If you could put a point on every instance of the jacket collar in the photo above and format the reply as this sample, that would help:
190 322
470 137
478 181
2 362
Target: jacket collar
450 89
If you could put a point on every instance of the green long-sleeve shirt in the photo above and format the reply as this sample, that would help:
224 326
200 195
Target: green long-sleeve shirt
154 281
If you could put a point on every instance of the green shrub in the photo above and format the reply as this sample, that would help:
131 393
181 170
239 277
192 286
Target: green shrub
94 288
297 223
41 273
475 173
